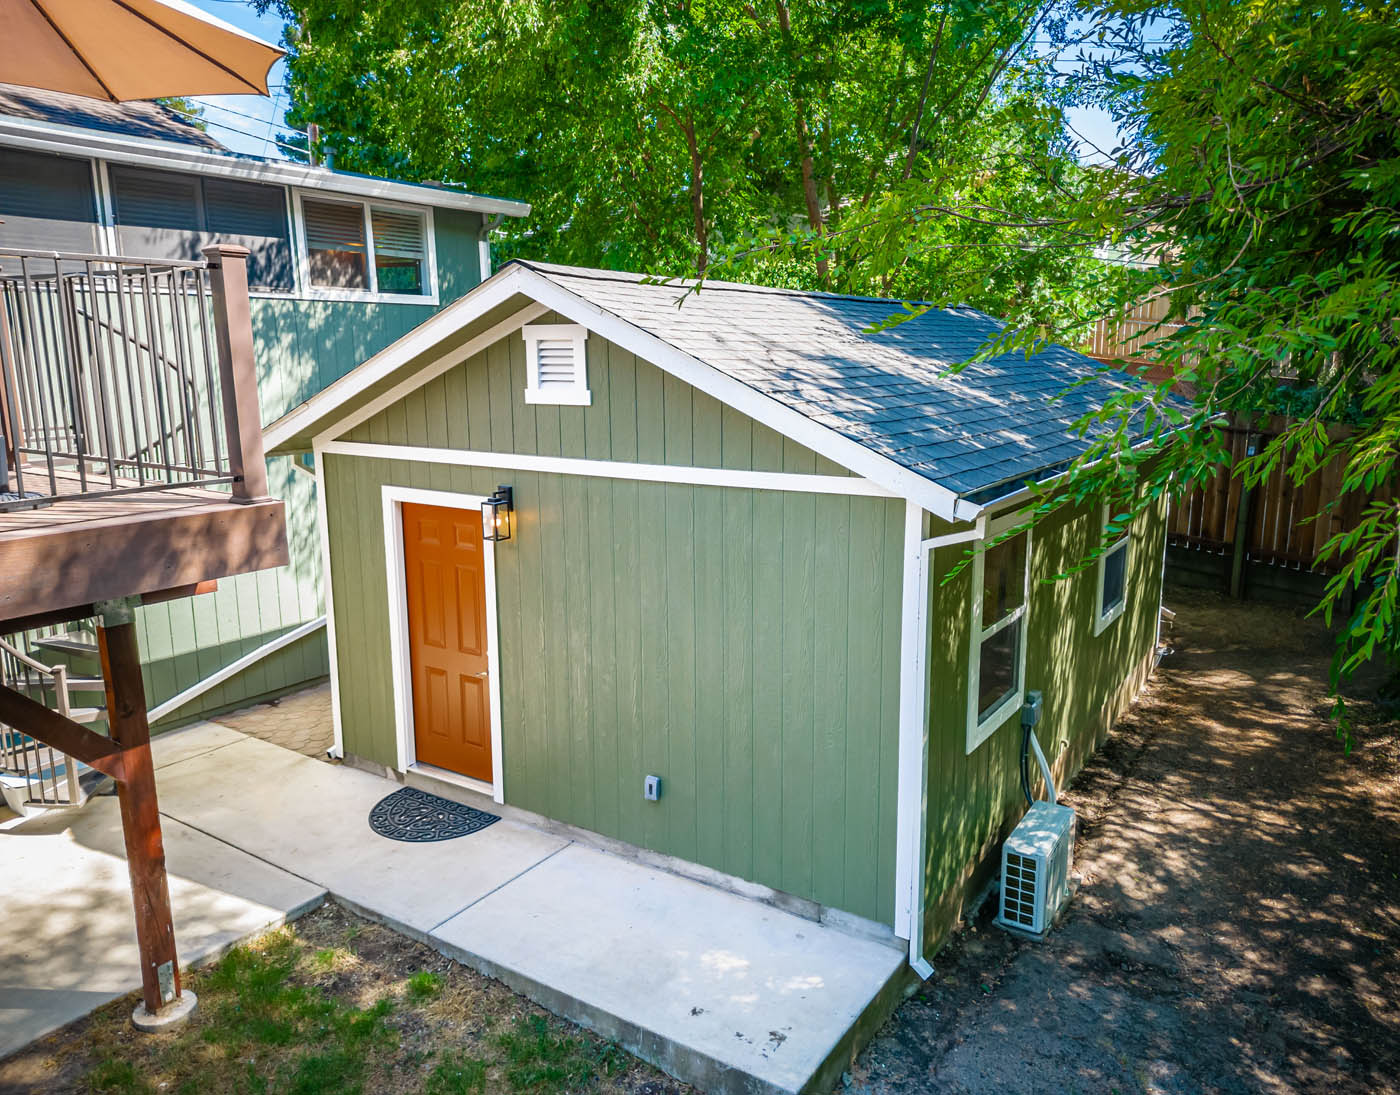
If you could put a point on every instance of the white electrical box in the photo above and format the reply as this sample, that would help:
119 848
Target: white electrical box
1035 869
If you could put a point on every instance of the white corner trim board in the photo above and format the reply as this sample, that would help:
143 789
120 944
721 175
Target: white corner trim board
400 666
174 703
324 535
614 469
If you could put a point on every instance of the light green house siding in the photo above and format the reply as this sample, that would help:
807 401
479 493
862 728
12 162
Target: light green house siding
742 644
1087 680
302 346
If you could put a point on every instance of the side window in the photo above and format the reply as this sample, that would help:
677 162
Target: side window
1112 593
47 203
997 663
357 247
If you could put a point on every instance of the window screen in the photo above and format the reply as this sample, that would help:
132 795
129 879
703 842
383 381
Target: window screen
47 202
335 244
170 215
400 256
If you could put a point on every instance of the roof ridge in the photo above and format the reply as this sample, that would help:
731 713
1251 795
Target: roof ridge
594 273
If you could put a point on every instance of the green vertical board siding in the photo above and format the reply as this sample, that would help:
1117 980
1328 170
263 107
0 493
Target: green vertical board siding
973 801
639 414
302 346
703 634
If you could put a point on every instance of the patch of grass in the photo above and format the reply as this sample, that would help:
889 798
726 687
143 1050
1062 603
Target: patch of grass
302 1012
541 1058
119 1076
456 1074
424 985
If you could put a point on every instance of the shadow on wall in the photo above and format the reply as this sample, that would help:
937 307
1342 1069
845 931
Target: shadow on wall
1087 680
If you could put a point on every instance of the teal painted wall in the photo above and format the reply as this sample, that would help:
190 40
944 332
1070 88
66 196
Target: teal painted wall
1087 681
302 346
743 645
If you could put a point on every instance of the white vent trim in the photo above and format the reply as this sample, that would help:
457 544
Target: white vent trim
556 359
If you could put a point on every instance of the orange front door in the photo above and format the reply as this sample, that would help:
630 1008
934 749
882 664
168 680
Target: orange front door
445 576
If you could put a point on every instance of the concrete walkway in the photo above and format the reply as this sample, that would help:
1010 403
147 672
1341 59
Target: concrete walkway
69 941
721 991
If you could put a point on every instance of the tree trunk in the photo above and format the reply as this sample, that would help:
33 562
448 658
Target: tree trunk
804 139
697 197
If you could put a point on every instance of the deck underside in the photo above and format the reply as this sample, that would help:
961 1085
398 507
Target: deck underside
73 552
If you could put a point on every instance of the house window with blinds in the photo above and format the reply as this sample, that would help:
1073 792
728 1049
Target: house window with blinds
356 247
996 677
556 364
174 215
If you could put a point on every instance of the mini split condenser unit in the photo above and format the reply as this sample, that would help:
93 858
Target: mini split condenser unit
1035 869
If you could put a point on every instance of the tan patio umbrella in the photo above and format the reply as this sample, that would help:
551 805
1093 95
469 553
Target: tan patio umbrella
128 49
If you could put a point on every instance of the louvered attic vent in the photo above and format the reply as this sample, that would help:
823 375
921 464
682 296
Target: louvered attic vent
557 364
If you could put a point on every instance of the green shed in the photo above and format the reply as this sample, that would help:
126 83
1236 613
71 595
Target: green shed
707 616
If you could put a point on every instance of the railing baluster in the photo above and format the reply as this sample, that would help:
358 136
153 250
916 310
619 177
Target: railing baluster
101 377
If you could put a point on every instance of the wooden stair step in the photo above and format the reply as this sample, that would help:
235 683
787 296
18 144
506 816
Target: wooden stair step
67 644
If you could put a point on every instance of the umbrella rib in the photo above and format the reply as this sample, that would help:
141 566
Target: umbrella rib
76 52
188 45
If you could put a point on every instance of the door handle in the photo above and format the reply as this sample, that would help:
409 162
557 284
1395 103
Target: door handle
479 676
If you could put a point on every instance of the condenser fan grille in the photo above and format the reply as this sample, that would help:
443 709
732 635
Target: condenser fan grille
1018 891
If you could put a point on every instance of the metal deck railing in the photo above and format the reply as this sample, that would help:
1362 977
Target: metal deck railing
109 377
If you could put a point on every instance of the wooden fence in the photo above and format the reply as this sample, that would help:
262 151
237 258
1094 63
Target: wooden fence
1281 525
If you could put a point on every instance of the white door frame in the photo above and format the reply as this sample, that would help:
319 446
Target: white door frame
400 661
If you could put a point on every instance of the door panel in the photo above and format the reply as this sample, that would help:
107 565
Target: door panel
445 580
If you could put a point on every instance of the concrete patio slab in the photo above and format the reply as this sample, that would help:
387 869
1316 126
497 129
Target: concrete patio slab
312 818
713 987
725 992
69 943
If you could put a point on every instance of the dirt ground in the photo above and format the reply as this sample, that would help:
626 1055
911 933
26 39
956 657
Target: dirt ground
1238 926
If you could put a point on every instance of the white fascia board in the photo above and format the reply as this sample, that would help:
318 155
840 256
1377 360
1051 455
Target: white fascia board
482 298
172 156
851 455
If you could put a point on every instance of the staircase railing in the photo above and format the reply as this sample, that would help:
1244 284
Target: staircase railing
40 766
110 377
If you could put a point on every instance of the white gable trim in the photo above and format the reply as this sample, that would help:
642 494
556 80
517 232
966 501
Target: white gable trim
520 280
487 295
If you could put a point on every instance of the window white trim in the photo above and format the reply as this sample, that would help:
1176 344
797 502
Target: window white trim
980 729
1102 617
575 394
302 253
401 668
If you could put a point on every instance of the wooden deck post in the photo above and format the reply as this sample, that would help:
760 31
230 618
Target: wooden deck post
136 793
238 370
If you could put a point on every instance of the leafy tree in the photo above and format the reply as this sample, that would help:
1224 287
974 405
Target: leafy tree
770 137
1262 175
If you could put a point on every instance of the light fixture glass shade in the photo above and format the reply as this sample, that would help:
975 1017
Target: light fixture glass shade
496 515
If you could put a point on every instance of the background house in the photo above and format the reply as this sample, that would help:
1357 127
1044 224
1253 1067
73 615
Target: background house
341 265
734 515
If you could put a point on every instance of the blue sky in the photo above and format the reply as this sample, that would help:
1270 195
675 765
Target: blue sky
249 123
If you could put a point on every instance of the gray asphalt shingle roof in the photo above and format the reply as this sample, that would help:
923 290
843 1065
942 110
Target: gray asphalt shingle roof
149 120
995 423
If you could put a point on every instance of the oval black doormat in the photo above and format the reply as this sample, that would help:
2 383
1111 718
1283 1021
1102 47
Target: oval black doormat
417 817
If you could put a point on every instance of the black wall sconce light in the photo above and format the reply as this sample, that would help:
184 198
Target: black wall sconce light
497 515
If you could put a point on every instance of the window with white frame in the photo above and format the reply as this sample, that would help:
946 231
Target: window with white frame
1112 583
354 247
997 670
556 364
